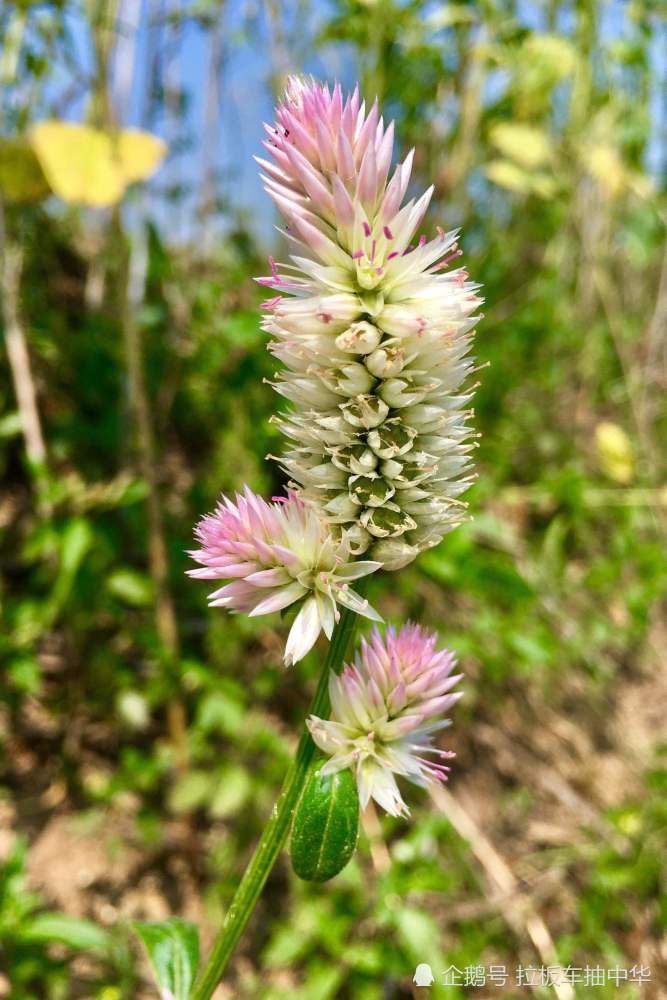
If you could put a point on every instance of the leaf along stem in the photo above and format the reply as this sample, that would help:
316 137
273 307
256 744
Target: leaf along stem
275 832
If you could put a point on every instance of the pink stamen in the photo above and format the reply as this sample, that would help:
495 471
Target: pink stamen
447 260
357 254
367 229
387 232
393 254
271 303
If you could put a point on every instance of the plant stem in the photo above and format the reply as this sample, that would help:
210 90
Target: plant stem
276 829
11 263
165 613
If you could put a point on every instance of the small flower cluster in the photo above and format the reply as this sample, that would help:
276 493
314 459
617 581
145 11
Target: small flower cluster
384 711
275 555
374 335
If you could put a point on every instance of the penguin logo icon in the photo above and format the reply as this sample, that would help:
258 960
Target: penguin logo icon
423 975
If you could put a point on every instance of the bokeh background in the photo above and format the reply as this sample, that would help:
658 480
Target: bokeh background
144 737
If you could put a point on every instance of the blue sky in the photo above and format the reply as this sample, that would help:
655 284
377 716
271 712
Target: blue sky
245 96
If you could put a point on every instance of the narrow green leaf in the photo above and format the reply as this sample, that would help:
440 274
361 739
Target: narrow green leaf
326 825
82 935
173 949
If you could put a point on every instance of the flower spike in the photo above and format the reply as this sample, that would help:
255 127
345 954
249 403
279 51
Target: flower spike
276 555
372 327
384 711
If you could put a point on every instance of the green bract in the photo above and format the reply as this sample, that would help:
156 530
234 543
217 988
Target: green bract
326 825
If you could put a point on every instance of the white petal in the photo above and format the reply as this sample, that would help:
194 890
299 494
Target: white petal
304 632
352 571
329 736
351 600
382 787
327 612
279 599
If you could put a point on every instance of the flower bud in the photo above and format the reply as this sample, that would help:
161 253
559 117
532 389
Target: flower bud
370 491
351 379
387 522
392 438
360 338
365 411
357 539
400 392
356 459
367 275
385 362
394 553
341 509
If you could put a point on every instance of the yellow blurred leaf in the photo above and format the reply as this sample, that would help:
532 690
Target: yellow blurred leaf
87 166
606 166
78 163
140 154
528 146
551 57
21 177
509 175
616 455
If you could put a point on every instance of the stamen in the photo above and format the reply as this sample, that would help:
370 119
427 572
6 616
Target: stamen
367 229
387 232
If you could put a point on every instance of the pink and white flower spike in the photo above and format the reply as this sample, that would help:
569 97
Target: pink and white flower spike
384 711
275 554
372 327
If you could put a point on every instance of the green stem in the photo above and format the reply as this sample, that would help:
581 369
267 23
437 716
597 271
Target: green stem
276 829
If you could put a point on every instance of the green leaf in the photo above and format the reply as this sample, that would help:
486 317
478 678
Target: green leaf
191 791
173 949
326 825
83 935
21 176
10 425
131 586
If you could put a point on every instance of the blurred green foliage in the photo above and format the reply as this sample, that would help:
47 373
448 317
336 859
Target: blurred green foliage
542 127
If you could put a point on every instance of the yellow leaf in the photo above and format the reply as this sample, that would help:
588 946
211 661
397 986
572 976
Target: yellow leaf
526 145
87 166
21 177
140 154
615 452
78 163
550 56
506 174
606 166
